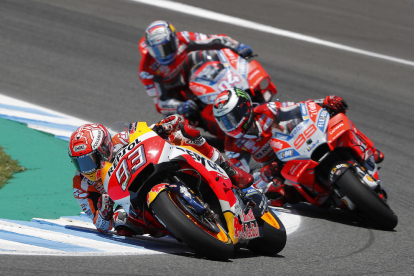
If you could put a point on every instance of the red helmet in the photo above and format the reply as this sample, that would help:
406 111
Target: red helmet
89 147
233 112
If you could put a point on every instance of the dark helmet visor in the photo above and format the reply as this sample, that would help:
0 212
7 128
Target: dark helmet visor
232 120
87 163
164 50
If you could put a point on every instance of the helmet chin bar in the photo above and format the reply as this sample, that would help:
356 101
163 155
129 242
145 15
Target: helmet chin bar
254 131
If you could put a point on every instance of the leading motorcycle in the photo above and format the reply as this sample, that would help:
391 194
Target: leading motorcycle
331 163
177 191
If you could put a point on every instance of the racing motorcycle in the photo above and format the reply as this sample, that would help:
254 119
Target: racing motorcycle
329 165
181 193
212 72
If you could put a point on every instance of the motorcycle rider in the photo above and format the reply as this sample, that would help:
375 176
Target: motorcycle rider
249 131
164 53
91 145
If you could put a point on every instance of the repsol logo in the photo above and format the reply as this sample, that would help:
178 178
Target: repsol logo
121 153
200 159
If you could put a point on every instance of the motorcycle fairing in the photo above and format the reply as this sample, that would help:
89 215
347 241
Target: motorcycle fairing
211 172
207 74
299 171
128 164
229 58
305 137
259 81
210 78
337 126
342 133
301 174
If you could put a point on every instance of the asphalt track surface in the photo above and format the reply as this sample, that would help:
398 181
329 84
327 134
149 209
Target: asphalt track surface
80 57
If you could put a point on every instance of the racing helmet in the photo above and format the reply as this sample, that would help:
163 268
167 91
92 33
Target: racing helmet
162 41
89 147
233 111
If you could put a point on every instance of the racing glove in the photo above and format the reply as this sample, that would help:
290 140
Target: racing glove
238 177
244 50
270 171
103 219
335 104
187 108
191 135
170 124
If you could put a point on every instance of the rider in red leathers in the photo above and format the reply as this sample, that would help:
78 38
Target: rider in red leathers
91 145
164 54
249 131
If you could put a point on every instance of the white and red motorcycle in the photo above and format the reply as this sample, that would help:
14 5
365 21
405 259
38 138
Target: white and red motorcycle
324 163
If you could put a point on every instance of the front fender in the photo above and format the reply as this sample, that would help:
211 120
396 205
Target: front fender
154 192
180 189
338 170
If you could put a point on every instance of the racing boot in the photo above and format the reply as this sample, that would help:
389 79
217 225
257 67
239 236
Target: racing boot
192 137
128 226
122 226
275 193
279 194
238 177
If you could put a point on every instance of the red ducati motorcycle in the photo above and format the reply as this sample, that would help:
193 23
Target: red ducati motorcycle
331 163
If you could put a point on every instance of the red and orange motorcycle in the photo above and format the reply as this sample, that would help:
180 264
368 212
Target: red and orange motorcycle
331 163
178 191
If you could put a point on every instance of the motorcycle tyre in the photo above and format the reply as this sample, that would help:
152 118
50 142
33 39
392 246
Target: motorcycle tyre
272 242
187 231
367 201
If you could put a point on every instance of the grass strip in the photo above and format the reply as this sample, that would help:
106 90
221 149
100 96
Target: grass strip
8 167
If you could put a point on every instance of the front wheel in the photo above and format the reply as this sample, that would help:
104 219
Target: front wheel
211 241
367 201
274 236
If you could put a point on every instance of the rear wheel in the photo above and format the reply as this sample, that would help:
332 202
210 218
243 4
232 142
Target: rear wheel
274 238
367 201
202 234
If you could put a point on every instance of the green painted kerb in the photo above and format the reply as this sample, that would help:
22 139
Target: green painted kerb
44 190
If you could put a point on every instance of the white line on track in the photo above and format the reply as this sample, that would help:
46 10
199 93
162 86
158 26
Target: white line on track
70 239
11 247
15 102
183 8
39 118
